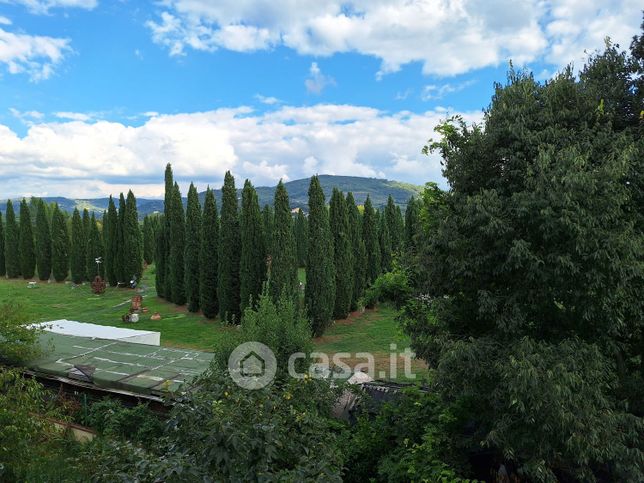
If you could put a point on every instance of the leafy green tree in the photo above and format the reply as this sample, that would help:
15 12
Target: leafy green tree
120 267
359 258
59 245
229 254
394 223
532 272
283 267
385 245
17 338
160 259
193 247
167 209
252 265
343 255
110 236
177 242
412 220
132 240
209 256
3 265
95 250
301 232
268 220
78 254
43 242
149 239
12 243
86 236
319 292
27 250
371 242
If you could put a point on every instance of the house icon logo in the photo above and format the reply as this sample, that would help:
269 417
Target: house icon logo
252 365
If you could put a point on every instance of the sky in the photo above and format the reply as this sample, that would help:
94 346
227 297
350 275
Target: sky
96 96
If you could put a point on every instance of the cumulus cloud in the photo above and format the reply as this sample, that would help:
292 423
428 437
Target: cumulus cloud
102 157
448 38
317 81
43 6
73 116
33 55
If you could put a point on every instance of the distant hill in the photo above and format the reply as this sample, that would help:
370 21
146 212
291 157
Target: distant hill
378 189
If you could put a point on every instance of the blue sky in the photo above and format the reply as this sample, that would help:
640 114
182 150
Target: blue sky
96 96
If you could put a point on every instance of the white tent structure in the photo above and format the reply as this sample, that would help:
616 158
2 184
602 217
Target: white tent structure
94 331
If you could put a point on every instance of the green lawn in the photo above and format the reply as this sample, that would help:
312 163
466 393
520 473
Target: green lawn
372 331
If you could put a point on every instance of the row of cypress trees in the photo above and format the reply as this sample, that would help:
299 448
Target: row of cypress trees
217 262
57 247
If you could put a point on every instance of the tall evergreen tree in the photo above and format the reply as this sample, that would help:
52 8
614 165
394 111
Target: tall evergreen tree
12 243
132 241
319 292
110 237
167 208
386 250
193 247
149 237
252 264
43 242
394 224
267 226
229 253
27 251
121 272
86 236
94 250
342 254
301 232
177 249
209 256
359 259
77 254
371 241
160 258
3 265
412 223
59 245
283 276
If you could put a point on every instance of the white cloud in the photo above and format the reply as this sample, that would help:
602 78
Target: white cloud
4 20
268 100
73 116
434 91
43 6
290 142
447 38
317 81
33 55
28 118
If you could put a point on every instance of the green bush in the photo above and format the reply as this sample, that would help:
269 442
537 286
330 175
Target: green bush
389 287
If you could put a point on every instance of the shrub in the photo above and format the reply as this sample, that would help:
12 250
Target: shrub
389 287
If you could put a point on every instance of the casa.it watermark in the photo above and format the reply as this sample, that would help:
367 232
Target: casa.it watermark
252 365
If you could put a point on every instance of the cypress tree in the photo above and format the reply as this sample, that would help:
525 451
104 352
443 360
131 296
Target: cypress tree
167 208
371 242
86 236
267 225
27 251
359 259
177 242
3 266
301 231
394 224
110 236
412 220
229 253
209 256
385 245
59 245
132 241
94 250
193 247
12 244
252 264
43 242
342 254
120 269
149 237
77 256
319 292
160 259
283 276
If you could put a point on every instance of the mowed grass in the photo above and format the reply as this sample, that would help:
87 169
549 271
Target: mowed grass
373 331
52 301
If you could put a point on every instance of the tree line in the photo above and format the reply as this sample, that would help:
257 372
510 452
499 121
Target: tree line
53 245
218 260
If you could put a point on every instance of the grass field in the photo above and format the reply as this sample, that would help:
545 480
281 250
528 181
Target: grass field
372 331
